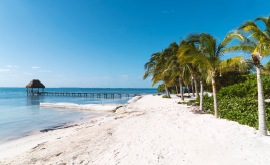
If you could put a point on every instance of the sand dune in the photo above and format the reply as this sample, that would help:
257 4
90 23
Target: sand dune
158 131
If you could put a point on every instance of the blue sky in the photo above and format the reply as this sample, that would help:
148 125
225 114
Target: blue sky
104 43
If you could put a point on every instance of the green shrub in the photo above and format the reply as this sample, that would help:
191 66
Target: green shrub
242 110
225 81
161 88
239 102
246 89
193 101
164 96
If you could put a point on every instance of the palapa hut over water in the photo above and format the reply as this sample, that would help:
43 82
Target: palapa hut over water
35 83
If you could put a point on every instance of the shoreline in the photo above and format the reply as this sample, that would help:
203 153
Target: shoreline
60 126
153 131
21 144
50 130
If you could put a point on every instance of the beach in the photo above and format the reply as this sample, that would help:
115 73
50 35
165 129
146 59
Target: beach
154 130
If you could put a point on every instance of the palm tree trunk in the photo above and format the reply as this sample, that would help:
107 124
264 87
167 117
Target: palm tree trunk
166 89
261 106
215 94
181 88
201 98
188 89
176 88
196 88
192 87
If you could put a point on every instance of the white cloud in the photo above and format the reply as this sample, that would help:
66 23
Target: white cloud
28 73
44 71
124 76
4 70
59 75
16 76
10 66
35 67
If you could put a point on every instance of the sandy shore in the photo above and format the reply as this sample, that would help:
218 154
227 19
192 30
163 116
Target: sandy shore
156 131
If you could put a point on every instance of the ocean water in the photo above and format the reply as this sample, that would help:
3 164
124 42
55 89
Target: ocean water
21 115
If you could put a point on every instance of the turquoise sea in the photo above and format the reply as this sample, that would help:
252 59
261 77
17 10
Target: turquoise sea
20 114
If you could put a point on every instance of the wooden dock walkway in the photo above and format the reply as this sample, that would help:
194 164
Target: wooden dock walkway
98 95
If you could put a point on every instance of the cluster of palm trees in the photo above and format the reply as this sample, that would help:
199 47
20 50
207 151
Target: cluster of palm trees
199 57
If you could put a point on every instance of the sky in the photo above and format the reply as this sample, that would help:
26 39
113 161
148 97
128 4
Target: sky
104 43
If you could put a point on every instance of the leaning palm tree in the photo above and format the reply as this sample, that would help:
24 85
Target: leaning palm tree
187 81
156 67
192 86
204 51
173 81
174 67
195 72
258 45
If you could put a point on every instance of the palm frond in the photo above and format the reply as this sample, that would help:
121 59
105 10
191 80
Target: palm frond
243 48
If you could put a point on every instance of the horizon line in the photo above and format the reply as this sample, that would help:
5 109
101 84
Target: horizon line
81 87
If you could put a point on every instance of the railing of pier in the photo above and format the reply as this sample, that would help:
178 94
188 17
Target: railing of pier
98 95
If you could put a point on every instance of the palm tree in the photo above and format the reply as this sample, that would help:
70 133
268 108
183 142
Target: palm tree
156 67
175 68
187 78
173 81
258 44
195 71
192 86
204 51
201 98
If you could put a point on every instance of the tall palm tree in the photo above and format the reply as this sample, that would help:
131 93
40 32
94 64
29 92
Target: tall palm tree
187 81
156 67
195 72
201 98
175 68
173 81
205 52
192 86
258 45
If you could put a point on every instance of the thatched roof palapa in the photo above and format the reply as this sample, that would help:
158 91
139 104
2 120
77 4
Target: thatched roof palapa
35 83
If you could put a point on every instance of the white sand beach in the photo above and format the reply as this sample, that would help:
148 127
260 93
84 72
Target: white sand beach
155 131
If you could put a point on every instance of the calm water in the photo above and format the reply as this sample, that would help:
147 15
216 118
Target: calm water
21 115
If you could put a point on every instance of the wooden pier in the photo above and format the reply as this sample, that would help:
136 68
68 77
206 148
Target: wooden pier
98 95
34 86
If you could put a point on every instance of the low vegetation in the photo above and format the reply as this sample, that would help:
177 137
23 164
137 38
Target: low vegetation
247 88
239 102
164 96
